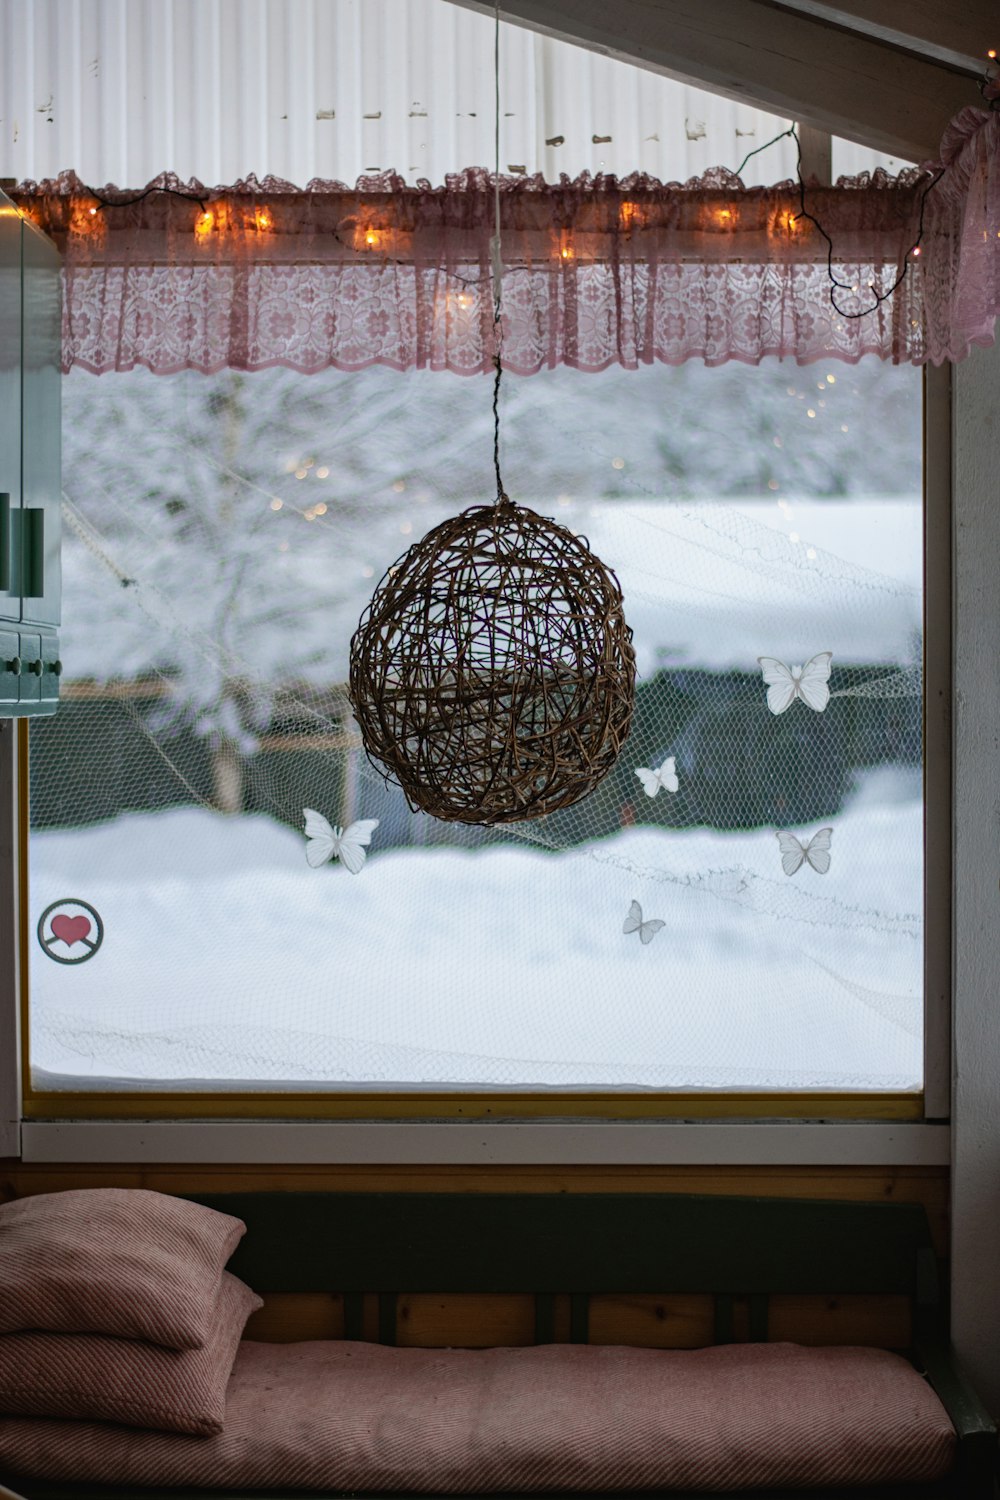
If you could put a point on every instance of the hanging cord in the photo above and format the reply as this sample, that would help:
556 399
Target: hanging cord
496 257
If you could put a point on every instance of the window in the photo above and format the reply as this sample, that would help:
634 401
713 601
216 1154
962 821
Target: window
223 535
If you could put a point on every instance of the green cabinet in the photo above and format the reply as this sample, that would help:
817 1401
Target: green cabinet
30 468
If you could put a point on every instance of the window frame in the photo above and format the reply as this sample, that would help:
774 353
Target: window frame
22 1102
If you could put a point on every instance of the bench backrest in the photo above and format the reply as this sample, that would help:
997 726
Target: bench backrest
581 1244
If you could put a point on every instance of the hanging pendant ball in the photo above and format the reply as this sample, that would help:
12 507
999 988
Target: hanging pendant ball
493 674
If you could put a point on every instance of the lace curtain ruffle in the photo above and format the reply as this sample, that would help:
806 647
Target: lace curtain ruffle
598 271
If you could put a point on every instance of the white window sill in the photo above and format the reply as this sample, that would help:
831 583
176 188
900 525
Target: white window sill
460 1142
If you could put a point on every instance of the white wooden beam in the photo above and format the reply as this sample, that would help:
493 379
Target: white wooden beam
10 988
493 1142
792 64
959 35
815 155
975 1257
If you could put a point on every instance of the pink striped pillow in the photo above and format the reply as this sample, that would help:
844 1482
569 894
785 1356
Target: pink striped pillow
88 1375
123 1261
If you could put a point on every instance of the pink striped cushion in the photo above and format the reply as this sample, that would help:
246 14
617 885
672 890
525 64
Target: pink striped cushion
349 1416
126 1380
123 1261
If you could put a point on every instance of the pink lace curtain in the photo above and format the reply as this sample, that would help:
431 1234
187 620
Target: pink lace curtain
597 271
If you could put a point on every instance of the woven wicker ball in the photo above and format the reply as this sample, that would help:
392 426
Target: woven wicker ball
493 674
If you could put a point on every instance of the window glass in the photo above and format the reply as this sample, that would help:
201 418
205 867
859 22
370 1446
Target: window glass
223 535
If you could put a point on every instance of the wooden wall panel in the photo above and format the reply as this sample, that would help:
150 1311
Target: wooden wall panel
655 1321
926 1185
432 1321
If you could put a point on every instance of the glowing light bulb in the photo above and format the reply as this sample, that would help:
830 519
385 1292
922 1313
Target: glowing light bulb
320 510
322 472
915 250
301 473
277 504
831 380
93 211
204 223
810 412
992 54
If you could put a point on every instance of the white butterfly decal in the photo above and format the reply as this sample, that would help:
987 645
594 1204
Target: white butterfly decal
346 844
785 684
634 923
794 854
665 777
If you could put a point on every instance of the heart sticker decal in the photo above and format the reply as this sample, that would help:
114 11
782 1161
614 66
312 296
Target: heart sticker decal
70 929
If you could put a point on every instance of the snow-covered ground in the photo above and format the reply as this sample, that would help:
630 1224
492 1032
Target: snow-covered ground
227 959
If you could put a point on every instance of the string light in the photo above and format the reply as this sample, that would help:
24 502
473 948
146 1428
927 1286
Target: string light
370 237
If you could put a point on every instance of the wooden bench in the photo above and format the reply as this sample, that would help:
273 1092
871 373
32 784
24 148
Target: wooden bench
580 1245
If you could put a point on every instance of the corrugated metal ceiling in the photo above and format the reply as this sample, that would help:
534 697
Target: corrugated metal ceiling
122 89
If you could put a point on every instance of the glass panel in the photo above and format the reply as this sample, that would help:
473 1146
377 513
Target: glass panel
224 535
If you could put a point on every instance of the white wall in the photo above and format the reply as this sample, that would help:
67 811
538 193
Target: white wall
123 89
